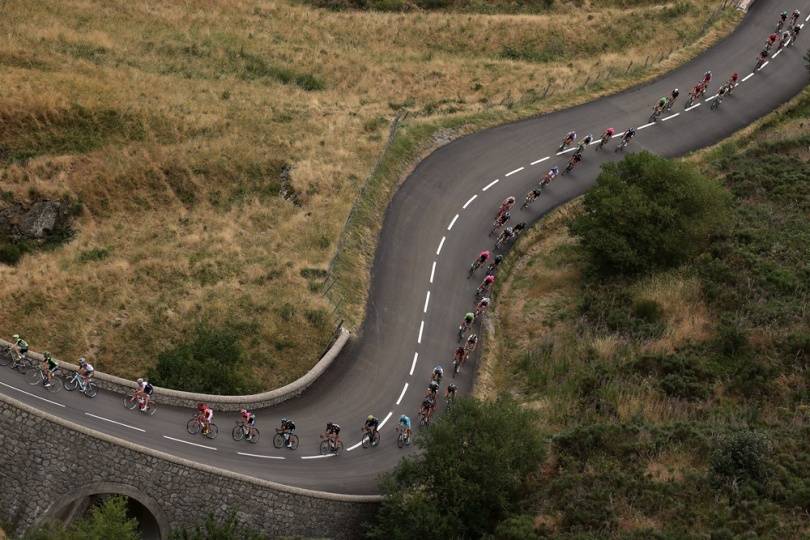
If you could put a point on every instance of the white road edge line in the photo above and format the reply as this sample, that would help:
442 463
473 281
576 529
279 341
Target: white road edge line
114 422
710 98
466 204
432 271
670 116
763 65
30 394
747 77
439 249
566 151
807 18
645 126
260 456
453 222
318 457
541 160
402 394
191 443
427 301
385 420
349 449
515 171
486 187
421 327
618 134
778 52
413 364
695 106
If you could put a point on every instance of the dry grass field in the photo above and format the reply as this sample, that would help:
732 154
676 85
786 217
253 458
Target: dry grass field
216 149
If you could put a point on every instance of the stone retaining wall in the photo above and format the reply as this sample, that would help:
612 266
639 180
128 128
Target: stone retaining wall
168 396
44 459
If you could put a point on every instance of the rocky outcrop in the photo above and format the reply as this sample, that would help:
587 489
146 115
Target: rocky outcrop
39 221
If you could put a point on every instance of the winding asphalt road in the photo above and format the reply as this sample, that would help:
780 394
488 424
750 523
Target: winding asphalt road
436 224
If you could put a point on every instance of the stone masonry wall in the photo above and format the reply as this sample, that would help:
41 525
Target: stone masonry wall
43 459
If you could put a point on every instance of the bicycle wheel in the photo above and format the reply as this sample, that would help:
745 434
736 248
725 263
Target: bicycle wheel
212 432
35 377
238 433
5 357
278 440
653 117
366 440
71 384
254 436
130 402
294 442
193 426
715 104
91 391
151 408
325 447
400 440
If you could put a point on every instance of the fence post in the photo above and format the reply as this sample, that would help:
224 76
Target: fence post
628 67
647 60
545 92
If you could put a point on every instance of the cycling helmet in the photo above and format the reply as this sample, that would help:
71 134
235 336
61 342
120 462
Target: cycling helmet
489 279
46 355
498 258
507 215
610 131
676 92
452 387
82 361
632 131
783 14
473 338
15 337
242 411
370 417
555 169
510 200
484 301
200 406
469 317
588 138
403 418
438 369
284 420
139 381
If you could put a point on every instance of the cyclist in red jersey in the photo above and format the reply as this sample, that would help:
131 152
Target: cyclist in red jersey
506 205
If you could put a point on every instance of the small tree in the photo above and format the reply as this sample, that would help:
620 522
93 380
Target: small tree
212 361
105 521
472 473
648 212
215 530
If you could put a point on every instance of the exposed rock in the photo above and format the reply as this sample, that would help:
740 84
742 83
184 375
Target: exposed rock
39 221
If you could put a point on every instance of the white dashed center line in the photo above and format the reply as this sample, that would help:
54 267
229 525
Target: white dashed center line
645 126
541 160
190 443
466 204
452 222
114 422
696 105
432 271
260 456
413 364
670 116
747 77
510 173
427 301
402 394
318 457
385 420
30 394
491 184
439 250
421 328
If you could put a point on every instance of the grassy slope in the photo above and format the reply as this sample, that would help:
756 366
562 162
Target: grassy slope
640 402
217 148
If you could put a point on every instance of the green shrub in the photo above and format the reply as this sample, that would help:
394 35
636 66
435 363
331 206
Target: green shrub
105 521
95 254
739 457
215 530
470 475
10 254
212 362
647 212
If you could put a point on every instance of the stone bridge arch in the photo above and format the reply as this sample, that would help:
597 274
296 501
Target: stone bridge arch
153 520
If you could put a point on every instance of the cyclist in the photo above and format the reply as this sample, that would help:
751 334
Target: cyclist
575 159
771 41
571 137
86 369
482 258
696 92
506 206
794 17
287 428
370 427
432 388
583 143
428 405
606 135
782 20
459 356
143 392
405 426
763 55
673 96
438 373
784 38
732 82
470 345
488 280
720 95
248 421
627 137
481 307
519 228
19 345
466 323
502 219
550 175
494 265
450 392
333 434
660 106
507 234
205 416
707 78
49 366
795 34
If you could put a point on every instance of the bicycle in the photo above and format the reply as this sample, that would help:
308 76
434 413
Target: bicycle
39 377
239 432
195 426
424 417
657 110
716 102
403 438
474 266
602 142
457 363
760 62
131 402
77 382
328 446
530 197
622 145
498 224
499 243
18 361
278 440
370 440
462 329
